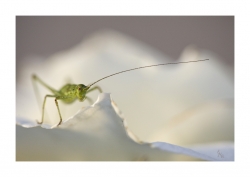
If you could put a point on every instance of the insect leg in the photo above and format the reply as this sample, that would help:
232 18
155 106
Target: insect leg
35 78
94 88
44 107
89 99
58 111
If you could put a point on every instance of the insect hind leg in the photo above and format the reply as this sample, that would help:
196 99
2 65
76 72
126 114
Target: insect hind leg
35 78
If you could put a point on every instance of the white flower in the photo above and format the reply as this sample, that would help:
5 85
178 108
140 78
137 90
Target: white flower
186 104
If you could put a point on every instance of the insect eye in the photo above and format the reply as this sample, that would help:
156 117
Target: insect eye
79 88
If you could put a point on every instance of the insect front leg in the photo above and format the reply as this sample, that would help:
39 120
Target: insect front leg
92 89
89 99
95 88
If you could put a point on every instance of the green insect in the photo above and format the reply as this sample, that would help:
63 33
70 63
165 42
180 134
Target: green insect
70 92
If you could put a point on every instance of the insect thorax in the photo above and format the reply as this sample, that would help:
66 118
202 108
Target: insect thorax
71 92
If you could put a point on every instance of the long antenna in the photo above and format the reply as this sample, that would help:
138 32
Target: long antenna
144 67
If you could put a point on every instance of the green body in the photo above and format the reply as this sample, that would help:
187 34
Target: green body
68 94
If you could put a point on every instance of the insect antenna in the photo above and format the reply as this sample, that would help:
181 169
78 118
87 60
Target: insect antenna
144 67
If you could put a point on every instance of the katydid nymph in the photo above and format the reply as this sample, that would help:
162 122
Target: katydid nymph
71 92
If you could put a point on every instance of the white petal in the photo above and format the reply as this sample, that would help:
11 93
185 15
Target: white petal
221 151
181 150
208 122
94 133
